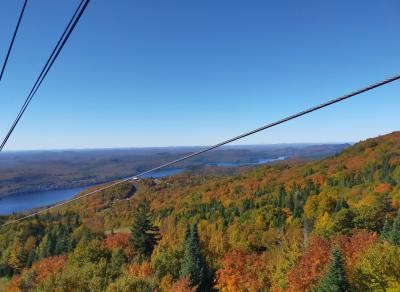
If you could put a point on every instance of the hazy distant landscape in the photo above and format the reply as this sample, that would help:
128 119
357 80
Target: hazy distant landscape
32 171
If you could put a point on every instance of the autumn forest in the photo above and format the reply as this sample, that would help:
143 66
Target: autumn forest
321 225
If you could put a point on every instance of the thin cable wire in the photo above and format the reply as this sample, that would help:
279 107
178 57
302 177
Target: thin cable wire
13 39
294 116
46 68
56 51
42 72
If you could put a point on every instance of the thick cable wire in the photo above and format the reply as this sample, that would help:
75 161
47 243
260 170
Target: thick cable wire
273 124
13 39
50 61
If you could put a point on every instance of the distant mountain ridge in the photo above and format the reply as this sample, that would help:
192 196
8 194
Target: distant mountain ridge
31 171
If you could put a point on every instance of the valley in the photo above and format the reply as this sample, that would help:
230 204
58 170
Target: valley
38 171
272 227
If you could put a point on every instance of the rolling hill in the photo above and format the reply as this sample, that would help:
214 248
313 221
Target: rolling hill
293 226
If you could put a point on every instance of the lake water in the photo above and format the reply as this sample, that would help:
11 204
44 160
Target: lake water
258 162
25 201
163 173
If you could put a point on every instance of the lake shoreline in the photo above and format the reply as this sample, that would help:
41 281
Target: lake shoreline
10 204
25 201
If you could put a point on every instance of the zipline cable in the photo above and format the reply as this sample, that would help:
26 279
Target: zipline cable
273 124
13 39
50 61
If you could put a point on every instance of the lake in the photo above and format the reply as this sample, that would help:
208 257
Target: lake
163 173
26 201
258 162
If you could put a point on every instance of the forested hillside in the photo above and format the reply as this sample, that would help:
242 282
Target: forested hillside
329 225
30 171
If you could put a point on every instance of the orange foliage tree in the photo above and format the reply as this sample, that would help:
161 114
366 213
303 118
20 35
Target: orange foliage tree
41 271
353 247
119 241
183 285
310 268
312 265
242 272
142 270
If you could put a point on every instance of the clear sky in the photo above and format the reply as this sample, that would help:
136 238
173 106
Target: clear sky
160 73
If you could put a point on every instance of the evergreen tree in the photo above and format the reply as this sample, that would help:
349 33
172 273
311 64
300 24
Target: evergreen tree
341 204
61 245
386 230
31 258
193 264
87 234
47 246
118 259
72 242
77 220
395 232
290 201
335 277
144 234
387 170
298 209
282 197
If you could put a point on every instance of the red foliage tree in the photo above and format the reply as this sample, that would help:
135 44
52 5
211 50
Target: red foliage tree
306 273
354 246
242 272
43 269
48 266
118 241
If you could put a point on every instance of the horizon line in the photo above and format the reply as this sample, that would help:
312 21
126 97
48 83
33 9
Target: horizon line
176 146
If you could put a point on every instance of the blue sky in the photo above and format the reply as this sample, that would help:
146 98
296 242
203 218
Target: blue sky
160 73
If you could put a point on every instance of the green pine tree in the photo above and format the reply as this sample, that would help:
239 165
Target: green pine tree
282 197
77 220
341 204
61 245
144 234
290 201
394 237
46 246
335 277
31 258
118 259
193 263
297 210
386 230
